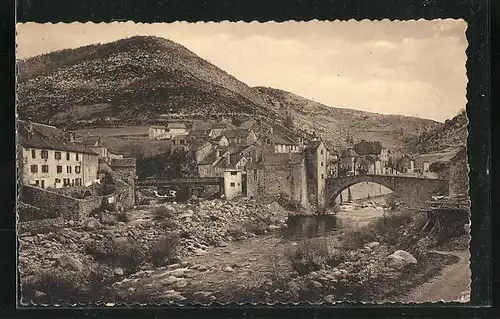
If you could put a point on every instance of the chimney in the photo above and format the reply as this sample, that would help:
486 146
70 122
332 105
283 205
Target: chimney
217 154
30 126
228 159
271 130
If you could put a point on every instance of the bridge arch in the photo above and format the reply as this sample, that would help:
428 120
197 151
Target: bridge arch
332 196
412 190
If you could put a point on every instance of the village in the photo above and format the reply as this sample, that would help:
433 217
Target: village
255 160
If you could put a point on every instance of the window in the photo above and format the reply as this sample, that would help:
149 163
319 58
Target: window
78 182
321 152
68 169
77 156
65 181
182 142
59 169
57 155
43 183
322 176
37 182
173 142
58 181
45 168
44 154
34 168
78 169
321 164
254 175
33 154
234 173
67 156
232 184
268 141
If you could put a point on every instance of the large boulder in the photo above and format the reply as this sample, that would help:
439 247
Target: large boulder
70 263
406 256
91 224
400 259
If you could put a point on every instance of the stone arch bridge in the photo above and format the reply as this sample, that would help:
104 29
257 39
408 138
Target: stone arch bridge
413 191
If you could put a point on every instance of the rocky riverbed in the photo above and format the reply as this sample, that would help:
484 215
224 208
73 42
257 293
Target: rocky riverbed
223 252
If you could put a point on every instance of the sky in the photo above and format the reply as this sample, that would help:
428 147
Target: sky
414 68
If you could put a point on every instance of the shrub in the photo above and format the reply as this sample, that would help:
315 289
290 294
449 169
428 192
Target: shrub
164 251
237 233
314 254
129 255
161 212
387 226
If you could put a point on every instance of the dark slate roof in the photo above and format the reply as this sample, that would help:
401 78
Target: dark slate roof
233 160
123 162
461 153
241 132
199 143
314 144
210 159
238 149
48 137
90 140
277 159
280 139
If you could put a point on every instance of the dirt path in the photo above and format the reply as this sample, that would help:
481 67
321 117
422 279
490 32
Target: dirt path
452 284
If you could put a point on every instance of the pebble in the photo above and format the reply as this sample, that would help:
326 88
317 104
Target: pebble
119 271
227 269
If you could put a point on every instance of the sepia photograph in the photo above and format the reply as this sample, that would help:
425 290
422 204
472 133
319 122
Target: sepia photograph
209 163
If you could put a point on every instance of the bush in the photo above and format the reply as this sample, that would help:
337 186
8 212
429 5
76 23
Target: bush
314 254
387 226
237 233
164 251
161 212
128 255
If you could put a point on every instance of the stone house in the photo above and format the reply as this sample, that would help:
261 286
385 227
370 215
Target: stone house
221 141
277 143
197 134
406 164
156 131
317 160
348 162
162 132
124 168
249 151
240 136
459 174
277 174
202 148
208 166
217 129
180 141
372 149
48 159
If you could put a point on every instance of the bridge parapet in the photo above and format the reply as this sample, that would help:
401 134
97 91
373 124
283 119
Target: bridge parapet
412 190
